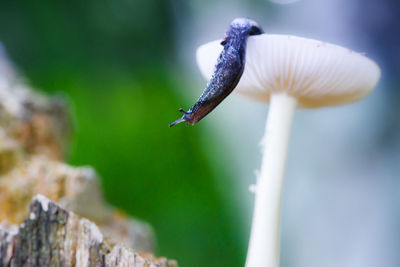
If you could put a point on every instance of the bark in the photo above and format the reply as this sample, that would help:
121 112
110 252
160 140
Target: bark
53 236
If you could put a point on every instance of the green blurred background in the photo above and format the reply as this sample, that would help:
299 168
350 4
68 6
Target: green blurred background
115 62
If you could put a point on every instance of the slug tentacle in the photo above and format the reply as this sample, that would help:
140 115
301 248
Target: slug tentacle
182 119
227 71
185 117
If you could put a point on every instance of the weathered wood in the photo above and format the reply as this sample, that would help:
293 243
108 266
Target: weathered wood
53 236
74 188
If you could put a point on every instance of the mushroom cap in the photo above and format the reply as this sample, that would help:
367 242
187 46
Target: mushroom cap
317 74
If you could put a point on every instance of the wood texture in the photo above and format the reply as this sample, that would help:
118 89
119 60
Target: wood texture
53 236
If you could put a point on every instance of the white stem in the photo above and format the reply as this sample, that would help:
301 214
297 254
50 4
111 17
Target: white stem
265 231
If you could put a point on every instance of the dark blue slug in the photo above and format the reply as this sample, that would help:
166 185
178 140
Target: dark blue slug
227 71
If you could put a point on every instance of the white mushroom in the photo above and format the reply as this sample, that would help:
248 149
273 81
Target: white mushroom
289 71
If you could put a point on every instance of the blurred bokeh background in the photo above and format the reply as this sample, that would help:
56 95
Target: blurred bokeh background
127 66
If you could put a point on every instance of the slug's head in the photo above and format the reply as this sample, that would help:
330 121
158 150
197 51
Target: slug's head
187 116
242 27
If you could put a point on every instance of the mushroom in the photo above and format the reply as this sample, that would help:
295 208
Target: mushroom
289 72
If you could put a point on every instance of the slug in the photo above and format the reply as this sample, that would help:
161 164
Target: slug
227 71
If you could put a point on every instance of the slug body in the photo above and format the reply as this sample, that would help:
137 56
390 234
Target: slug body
227 71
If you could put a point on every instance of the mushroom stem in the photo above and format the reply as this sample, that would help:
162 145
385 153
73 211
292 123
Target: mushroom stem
265 232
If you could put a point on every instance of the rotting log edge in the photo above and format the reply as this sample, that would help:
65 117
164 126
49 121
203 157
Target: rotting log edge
53 236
